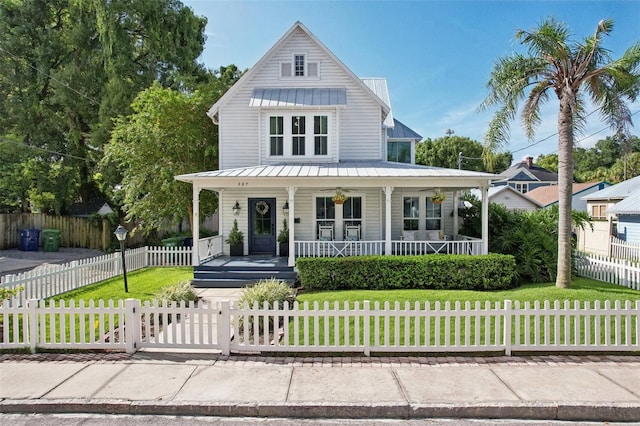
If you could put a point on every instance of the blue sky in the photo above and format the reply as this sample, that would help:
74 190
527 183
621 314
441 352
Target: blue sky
436 55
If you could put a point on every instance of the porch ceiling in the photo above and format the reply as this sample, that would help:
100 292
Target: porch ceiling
360 173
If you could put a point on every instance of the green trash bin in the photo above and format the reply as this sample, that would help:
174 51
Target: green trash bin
51 239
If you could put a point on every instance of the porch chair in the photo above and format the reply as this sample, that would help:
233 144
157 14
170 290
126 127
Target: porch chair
326 232
352 232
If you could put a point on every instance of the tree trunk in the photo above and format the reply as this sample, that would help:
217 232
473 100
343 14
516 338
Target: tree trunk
565 188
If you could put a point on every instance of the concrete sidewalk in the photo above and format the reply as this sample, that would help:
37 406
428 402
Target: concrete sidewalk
595 388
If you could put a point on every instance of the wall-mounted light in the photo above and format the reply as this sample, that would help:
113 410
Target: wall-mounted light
236 209
285 208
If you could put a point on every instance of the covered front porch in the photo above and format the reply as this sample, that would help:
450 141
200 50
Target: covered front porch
389 209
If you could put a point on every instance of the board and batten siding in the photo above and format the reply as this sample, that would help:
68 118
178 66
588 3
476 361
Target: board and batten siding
629 227
358 125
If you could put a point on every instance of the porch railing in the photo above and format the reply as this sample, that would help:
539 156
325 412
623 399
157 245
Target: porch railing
461 245
210 247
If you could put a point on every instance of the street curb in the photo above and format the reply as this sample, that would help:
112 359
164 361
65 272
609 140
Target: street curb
619 412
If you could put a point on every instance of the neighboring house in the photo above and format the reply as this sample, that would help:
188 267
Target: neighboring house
548 195
90 208
525 176
510 198
298 129
613 213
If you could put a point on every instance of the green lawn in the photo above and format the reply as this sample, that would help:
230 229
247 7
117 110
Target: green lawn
582 289
143 284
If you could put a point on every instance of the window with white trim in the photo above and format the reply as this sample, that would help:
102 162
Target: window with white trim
290 137
325 213
276 136
352 213
299 66
298 61
411 214
523 188
399 152
433 219
599 211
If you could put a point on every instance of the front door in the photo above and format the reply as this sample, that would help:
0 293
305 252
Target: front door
262 226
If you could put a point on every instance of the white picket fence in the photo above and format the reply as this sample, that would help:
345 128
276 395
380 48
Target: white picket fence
620 249
351 328
622 272
49 281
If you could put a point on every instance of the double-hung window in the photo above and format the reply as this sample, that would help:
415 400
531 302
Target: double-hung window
399 152
433 215
411 214
298 131
352 213
325 214
321 134
276 135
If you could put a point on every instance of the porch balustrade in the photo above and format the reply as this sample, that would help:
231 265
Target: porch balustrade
210 247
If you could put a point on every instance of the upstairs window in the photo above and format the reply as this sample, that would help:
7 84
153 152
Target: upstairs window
399 152
320 132
599 212
522 187
298 131
298 61
276 135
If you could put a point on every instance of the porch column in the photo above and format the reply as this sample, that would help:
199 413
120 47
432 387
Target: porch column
485 219
455 213
195 231
291 190
387 219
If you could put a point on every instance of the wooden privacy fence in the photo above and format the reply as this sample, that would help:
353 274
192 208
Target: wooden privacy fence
615 271
75 231
50 281
331 328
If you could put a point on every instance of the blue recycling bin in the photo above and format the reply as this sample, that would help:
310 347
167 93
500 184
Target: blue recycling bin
29 239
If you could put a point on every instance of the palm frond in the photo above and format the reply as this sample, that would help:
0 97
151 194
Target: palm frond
531 110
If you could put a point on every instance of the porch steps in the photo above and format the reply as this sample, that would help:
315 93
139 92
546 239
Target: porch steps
233 273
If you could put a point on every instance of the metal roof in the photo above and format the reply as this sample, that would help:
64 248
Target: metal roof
630 205
355 169
379 87
617 192
536 172
283 97
401 131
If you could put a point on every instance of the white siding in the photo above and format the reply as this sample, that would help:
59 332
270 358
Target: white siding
513 201
358 126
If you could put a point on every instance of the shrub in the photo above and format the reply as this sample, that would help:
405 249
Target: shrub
488 272
178 292
270 291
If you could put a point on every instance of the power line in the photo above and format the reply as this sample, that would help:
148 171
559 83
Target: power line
42 149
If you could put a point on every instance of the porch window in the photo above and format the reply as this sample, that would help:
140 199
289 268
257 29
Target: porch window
399 152
411 214
320 131
325 213
352 213
298 131
276 135
433 215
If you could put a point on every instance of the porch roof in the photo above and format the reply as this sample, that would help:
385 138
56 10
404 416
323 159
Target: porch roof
288 97
363 173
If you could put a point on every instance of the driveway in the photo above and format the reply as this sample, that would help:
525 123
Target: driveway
14 261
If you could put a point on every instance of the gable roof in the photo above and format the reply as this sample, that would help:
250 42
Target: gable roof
630 205
535 172
616 192
213 111
547 195
380 88
494 191
401 131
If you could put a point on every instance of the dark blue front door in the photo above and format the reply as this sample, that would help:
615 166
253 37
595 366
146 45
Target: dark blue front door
262 226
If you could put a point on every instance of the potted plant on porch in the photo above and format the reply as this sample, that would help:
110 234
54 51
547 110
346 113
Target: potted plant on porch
283 239
235 239
438 197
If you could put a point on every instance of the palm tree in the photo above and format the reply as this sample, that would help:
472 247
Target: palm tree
556 65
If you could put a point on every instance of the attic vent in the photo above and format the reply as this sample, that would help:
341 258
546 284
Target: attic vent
312 69
285 69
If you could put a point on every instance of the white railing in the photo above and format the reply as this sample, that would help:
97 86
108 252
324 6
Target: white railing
358 327
467 246
615 271
49 281
209 247
338 248
624 250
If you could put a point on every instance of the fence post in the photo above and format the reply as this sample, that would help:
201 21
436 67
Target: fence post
508 306
132 322
367 327
224 327
74 274
32 317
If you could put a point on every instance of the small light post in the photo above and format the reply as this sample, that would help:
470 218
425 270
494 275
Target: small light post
121 235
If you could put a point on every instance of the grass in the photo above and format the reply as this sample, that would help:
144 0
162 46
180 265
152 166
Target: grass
144 284
582 289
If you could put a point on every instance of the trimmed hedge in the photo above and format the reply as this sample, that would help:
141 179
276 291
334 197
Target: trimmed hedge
484 272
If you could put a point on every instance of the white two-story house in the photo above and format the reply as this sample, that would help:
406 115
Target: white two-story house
299 128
